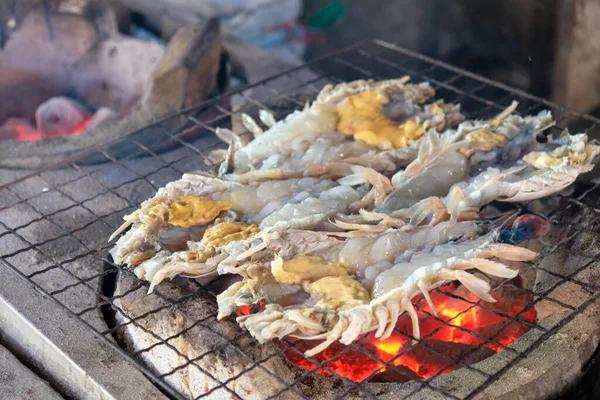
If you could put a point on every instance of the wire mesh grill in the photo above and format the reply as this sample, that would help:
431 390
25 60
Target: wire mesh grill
54 222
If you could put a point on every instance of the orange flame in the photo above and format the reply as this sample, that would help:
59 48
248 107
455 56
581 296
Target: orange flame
23 132
464 330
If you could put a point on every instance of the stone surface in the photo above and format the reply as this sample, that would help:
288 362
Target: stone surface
217 361
17 382
116 73
576 77
77 362
187 74
69 335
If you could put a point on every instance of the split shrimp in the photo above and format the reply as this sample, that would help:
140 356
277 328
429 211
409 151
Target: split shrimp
314 141
541 173
340 307
504 139
231 255
198 199
445 161
294 203
437 167
356 256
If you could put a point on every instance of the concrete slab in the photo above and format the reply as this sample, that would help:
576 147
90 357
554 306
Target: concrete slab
17 382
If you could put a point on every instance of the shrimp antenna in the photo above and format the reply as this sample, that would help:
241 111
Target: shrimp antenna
545 127
502 116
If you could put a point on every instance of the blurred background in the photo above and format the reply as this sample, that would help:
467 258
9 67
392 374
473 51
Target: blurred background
549 48
95 61
509 40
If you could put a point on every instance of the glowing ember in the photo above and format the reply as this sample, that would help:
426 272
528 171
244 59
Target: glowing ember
14 129
461 337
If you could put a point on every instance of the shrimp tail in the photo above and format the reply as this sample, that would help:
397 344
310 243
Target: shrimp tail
381 185
432 147
228 136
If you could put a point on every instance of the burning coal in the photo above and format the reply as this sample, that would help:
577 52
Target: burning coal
59 116
464 331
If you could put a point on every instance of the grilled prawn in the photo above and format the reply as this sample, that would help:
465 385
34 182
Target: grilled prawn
337 306
451 158
234 254
197 200
387 115
548 170
363 257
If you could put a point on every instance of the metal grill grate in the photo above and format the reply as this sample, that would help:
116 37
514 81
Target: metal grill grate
55 220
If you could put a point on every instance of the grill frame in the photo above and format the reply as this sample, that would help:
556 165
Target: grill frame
369 59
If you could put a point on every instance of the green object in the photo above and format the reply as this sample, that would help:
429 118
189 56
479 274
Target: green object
327 16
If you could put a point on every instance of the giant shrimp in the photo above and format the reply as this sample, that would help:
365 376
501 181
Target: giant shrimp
540 173
232 255
445 161
336 305
316 139
276 255
197 200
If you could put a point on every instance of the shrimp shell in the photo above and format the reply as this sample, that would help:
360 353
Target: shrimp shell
520 183
292 145
247 200
355 254
200 261
394 289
